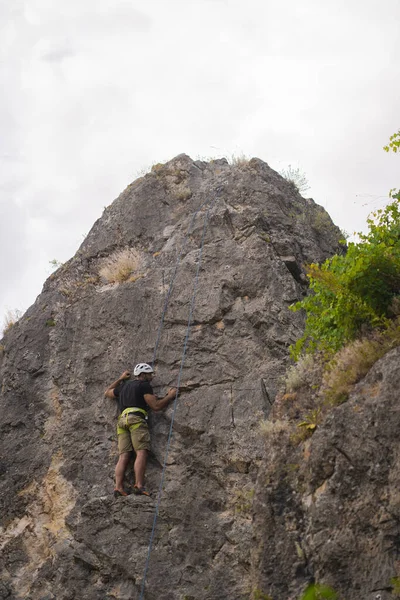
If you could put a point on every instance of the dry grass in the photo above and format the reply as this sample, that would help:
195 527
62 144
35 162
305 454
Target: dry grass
183 194
301 435
354 361
179 175
121 266
134 278
304 372
273 429
324 385
157 168
240 160
161 169
11 317
328 384
296 177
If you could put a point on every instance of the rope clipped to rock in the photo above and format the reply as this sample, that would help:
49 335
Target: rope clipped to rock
171 285
195 286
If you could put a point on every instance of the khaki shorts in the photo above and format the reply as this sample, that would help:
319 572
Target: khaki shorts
133 433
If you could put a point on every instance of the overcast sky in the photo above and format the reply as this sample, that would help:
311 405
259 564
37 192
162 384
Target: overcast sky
94 91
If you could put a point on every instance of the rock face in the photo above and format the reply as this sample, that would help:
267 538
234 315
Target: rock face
63 534
329 509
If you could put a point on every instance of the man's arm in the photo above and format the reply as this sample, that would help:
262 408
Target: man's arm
109 393
158 404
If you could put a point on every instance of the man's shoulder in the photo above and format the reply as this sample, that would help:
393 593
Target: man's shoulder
145 387
124 385
118 388
141 385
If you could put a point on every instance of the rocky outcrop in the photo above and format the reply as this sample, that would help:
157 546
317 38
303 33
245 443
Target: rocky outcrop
63 535
329 509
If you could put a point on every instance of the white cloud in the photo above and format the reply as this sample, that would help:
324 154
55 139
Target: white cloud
96 90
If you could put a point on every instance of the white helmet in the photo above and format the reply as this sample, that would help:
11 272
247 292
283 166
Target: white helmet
142 368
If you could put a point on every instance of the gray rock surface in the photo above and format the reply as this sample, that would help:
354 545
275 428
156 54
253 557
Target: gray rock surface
329 509
63 536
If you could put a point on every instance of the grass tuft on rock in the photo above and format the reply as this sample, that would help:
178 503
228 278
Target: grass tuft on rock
122 265
10 319
301 373
353 362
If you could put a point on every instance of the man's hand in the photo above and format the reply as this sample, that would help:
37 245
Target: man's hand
125 375
157 404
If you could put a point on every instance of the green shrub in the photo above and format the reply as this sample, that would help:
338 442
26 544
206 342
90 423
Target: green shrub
395 583
394 146
307 427
317 591
355 291
311 420
394 143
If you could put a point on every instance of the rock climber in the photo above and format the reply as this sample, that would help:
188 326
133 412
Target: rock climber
134 398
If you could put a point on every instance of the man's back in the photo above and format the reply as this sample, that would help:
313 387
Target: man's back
131 394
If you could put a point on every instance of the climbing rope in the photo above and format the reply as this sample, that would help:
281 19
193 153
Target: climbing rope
180 372
171 285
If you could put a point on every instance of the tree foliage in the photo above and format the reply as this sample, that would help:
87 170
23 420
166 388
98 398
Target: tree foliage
357 291
317 591
394 143
394 146
354 291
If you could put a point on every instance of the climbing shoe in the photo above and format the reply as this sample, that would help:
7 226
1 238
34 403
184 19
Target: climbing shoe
118 493
140 491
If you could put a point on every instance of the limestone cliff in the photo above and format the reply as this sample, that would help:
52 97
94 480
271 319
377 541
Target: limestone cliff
63 535
329 509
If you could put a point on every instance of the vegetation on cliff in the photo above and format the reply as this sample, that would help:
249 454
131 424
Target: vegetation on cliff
355 292
358 291
336 482
352 320
352 313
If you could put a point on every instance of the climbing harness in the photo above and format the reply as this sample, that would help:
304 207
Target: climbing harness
135 409
128 411
195 285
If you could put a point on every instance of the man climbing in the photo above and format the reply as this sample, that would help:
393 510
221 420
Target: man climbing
134 398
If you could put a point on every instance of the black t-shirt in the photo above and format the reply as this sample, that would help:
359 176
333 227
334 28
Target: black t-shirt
130 394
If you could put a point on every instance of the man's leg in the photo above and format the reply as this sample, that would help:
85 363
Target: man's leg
140 467
140 438
120 471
